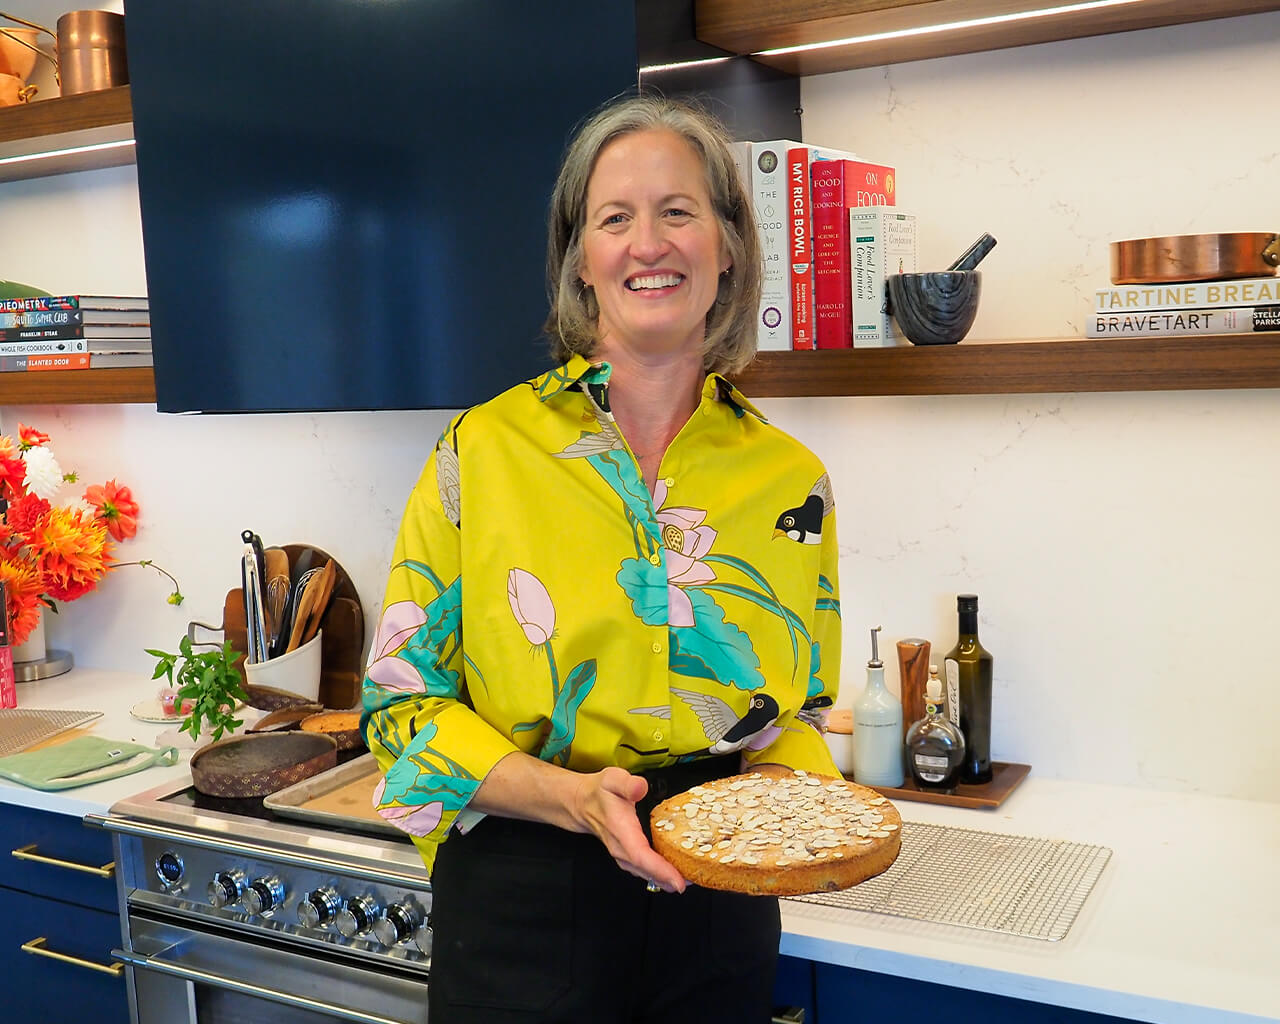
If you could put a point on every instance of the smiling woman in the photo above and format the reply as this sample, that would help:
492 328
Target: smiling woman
630 626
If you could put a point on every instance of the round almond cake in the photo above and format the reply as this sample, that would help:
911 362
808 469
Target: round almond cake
777 833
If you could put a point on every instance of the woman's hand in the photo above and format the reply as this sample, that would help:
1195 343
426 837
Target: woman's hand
602 803
607 807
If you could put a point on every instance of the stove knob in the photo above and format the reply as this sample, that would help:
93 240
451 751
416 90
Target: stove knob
263 895
318 908
226 888
423 937
356 917
397 923
169 869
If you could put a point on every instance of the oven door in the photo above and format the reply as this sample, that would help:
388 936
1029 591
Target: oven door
181 975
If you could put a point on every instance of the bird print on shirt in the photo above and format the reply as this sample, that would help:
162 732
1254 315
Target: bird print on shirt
724 729
804 522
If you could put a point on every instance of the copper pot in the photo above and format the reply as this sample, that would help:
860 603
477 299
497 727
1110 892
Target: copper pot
1195 257
91 51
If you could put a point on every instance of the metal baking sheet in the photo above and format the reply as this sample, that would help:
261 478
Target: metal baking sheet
1016 885
299 800
22 728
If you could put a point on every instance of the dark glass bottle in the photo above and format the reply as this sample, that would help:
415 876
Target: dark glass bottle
968 668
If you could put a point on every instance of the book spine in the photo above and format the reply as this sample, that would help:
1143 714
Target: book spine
47 346
131 331
40 333
1193 295
39 302
71 361
800 245
40 318
769 201
1184 322
882 241
831 279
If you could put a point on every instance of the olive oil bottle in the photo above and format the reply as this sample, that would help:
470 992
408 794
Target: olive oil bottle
968 668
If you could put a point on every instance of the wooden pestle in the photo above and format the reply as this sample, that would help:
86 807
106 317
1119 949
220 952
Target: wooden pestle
913 666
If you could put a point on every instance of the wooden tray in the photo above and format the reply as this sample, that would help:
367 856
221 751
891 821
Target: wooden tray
1005 779
341 647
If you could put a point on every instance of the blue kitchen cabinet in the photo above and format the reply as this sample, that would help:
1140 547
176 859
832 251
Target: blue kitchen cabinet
832 994
63 904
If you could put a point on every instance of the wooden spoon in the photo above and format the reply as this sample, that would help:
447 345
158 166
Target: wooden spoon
320 604
301 612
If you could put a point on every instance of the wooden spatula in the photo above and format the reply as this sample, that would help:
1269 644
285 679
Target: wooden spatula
301 612
320 604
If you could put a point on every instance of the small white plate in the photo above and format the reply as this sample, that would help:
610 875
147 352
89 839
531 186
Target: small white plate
151 710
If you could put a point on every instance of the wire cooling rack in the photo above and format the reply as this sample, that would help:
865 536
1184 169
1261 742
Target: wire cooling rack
21 728
1016 885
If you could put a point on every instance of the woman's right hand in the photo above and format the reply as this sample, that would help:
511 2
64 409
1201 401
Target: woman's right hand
601 803
606 806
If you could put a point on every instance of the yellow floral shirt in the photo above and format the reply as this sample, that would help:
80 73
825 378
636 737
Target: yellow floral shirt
602 624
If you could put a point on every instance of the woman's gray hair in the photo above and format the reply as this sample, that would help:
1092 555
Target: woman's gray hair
731 324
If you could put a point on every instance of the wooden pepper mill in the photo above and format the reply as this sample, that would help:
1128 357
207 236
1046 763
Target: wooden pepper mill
913 664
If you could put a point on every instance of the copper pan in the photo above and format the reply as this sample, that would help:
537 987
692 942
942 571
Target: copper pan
1195 257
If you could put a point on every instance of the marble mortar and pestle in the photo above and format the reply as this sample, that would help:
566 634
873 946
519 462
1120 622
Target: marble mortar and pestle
938 307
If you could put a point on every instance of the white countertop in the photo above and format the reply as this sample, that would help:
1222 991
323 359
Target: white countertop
1183 926
112 693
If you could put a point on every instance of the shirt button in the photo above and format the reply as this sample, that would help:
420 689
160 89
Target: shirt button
657 735
706 410
670 481
655 558
657 647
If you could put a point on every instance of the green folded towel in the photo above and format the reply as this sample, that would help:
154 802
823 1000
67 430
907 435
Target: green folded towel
82 761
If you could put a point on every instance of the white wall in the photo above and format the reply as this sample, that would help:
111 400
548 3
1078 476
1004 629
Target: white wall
1124 546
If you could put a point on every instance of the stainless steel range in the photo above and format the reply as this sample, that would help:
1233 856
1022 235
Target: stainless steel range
232 914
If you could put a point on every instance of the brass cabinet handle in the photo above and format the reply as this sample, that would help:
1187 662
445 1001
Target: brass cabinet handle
27 852
36 946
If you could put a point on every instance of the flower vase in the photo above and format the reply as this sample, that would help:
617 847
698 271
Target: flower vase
33 660
33 648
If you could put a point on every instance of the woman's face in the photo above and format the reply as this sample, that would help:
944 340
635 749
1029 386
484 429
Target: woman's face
651 247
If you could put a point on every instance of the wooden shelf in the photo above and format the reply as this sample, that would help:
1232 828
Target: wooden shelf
750 26
35 137
79 387
1033 367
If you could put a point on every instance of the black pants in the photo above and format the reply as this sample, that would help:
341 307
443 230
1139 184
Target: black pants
533 923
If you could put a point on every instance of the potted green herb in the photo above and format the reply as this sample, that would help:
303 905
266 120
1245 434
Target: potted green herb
210 680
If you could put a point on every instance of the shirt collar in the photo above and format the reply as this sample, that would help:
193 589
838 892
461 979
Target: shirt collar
719 388
716 387
568 374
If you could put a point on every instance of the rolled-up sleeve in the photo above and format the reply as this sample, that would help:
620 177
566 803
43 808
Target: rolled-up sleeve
433 749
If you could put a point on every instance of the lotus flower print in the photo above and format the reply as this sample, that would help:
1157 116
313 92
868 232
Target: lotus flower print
531 605
398 624
687 539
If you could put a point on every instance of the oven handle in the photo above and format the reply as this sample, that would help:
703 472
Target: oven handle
226 843
148 963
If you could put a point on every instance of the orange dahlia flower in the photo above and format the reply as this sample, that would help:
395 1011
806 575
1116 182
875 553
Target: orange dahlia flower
13 471
114 505
23 583
74 551
29 437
